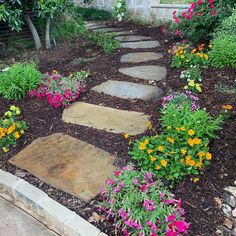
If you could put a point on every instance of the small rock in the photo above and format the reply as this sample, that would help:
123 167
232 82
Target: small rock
229 199
234 212
166 41
226 209
235 182
228 223
219 232
232 190
218 201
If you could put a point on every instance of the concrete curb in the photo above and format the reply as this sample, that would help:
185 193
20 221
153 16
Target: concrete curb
43 208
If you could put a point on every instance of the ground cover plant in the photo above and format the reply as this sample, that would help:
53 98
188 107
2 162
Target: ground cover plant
11 129
141 205
60 90
18 79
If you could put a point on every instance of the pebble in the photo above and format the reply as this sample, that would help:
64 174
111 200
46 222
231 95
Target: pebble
226 209
234 212
229 199
228 223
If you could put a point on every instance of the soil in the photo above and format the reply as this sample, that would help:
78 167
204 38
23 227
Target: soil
198 198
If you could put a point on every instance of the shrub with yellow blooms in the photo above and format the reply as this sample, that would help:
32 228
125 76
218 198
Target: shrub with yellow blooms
11 129
184 55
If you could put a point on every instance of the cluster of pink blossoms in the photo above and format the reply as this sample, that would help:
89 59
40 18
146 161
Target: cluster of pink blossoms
59 90
191 11
153 209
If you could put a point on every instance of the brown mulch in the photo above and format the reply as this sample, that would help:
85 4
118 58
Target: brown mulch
198 198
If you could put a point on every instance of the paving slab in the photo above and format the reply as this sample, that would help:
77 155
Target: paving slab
151 72
95 26
128 90
138 57
67 163
105 118
130 38
140 45
108 30
15 222
124 33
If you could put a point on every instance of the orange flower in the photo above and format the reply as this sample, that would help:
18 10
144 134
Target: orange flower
190 142
191 132
158 167
171 140
152 158
228 107
196 141
183 151
126 135
201 154
142 146
16 135
208 156
150 151
160 148
191 163
164 163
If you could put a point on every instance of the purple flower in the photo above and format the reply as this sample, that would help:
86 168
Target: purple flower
116 189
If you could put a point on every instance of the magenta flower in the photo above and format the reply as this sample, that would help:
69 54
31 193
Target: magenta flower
170 218
135 181
116 173
110 182
143 188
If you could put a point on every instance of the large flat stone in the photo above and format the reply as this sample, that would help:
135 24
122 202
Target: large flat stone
140 57
124 33
128 90
67 163
140 45
130 38
145 72
105 118
95 26
107 30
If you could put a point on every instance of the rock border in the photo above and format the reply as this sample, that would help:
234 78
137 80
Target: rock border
43 208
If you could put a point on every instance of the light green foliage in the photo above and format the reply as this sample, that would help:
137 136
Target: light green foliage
18 79
192 73
119 9
225 88
223 53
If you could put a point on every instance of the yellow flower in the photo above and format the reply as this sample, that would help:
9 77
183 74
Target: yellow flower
158 167
196 180
8 113
228 107
16 135
169 127
171 140
206 56
191 132
201 154
191 163
198 87
187 60
178 129
194 50
210 46
5 149
182 56
191 83
160 148
183 151
146 141
198 164
208 156
17 111
142 146
190 142
126 135
5 121
185 87
150 151
164 163
196 141
13 108
152 158
182 128
188 158
149 125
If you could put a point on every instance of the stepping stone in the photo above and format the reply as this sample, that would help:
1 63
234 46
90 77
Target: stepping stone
129 38
96 26
67 163
105 118
138 45
107 30
140 57
145 72
124 33
128 90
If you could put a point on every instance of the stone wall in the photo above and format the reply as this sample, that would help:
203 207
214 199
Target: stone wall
146 9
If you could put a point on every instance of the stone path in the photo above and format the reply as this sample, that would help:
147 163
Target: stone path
15 222
76 166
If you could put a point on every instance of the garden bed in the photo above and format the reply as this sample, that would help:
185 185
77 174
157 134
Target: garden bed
198 198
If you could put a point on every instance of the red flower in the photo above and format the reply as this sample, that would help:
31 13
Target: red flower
198 13
210 1
184 14
213 12
212 6
199 2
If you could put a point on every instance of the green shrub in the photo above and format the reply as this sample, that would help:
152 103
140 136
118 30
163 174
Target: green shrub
93 14
17 80
192 73
182 148
223 53
141 206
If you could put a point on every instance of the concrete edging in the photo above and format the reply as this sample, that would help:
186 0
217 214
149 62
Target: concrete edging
43 208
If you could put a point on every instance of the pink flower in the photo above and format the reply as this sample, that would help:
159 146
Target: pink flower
110 182
177 20
212 6
198 13
162 195
210 1
177 33
199 2
143 188
116 173
135 181
184 14
116 189
213 12
170 218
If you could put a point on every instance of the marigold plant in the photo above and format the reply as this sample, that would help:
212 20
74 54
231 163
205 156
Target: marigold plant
141 206
11 129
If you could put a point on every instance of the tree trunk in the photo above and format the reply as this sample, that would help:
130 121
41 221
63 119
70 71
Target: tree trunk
34 32
47 34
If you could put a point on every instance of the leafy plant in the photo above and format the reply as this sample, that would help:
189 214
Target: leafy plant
60 90
192 86
192 73
141 206
11 129
220 87
223 53
93 14
119 9
18 79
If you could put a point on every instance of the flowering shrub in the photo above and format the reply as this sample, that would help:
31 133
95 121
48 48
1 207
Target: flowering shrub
119 9
60 90
185 55
192 86
141 206
202 17
11 129
192 73
178 99
182 148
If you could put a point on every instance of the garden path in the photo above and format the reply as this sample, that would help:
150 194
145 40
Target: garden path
78 167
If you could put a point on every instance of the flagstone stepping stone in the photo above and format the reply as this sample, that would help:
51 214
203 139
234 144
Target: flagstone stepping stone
107 30
105 118
128 90
138 45
67 163
128 38
140 57
124 33
97 26
145 72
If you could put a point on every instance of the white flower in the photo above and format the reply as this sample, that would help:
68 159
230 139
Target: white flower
6 69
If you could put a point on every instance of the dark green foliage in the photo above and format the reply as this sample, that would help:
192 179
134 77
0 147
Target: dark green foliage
93 14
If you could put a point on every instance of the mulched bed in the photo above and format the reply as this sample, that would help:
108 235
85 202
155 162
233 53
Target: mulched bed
198 198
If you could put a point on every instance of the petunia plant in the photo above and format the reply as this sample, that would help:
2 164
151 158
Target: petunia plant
141 206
